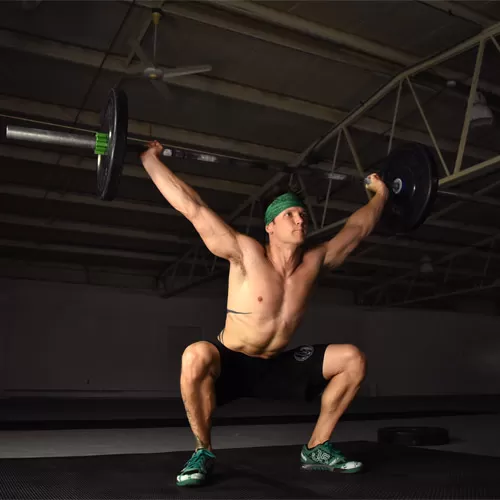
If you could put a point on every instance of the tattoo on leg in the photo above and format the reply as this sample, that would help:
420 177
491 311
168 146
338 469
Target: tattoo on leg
200 443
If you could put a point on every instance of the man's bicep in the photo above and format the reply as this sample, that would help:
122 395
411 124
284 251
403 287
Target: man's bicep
341 245
219 237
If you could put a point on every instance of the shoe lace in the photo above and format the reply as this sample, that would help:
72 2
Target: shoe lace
197 460
335 452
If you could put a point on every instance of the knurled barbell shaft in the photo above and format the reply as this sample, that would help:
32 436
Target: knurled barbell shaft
50 137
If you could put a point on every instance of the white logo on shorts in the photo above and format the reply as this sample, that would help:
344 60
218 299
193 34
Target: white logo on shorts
304 352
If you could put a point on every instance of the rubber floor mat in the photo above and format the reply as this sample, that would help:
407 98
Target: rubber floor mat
264 472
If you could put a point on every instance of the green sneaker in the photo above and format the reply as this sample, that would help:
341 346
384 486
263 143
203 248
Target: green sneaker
325 457
197 469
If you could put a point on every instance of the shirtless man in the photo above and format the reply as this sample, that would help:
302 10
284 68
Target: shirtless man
268 290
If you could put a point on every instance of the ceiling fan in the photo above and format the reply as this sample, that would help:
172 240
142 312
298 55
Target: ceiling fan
155 73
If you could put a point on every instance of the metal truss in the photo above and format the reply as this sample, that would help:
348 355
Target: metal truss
453 175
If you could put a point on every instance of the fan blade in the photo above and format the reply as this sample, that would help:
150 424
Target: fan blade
186 70
163 90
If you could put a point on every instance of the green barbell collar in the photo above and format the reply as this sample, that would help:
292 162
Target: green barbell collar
101 143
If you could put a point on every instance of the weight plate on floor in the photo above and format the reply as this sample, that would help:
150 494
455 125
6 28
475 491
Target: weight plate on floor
413 436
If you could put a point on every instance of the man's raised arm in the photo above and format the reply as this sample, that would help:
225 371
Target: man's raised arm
359 225
220 238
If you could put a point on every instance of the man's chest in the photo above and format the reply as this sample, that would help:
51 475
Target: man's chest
268 291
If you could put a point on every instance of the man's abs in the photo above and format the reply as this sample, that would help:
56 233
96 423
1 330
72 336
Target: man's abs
254 337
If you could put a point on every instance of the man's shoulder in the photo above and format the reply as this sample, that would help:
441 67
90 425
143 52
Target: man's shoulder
315 252
314 257
249 244
250 250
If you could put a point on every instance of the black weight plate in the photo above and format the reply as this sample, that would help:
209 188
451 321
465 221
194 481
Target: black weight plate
416 170
413 436
114 123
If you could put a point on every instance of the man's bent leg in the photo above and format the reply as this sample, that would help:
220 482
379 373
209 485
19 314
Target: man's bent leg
200 368
344 366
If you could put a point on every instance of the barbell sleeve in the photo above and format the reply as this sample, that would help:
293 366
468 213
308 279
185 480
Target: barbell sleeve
50 137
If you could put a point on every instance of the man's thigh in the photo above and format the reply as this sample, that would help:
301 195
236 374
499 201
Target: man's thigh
293 374
235 377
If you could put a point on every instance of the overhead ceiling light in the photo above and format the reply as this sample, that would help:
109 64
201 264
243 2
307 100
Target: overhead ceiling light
481 114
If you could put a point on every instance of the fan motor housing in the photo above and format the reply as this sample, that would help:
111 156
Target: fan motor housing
153 73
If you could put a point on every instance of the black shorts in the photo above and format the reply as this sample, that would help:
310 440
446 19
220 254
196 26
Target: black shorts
292 374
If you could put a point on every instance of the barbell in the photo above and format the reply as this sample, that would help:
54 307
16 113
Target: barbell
410 171
111 143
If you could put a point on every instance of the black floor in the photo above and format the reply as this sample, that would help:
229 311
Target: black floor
270 472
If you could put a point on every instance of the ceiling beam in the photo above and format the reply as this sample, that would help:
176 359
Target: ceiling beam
301 25
162 259
89 228
457 9
96 59
336 36
85 199
335 276
437 296
460 226
411 266
19 268
427 246
132 255
198 181
87 250
125 232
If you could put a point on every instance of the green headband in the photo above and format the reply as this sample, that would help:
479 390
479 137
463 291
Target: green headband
281 203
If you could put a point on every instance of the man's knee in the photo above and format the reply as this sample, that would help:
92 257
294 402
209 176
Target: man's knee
355 360
344 358
199 360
